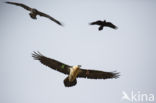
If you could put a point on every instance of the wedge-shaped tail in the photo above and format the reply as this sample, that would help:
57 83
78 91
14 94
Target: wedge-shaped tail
67 83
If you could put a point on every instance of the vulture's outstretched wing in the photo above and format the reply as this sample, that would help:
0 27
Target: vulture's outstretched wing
20 4
51 18
96 23
54 64
95 74
109 24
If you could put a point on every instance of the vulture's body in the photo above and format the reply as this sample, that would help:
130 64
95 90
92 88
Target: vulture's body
73 72
103 24
34 12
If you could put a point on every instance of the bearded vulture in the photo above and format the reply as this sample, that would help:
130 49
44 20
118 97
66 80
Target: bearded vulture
34 12
103 23
73 71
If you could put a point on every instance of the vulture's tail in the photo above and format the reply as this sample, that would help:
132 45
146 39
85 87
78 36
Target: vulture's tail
67 83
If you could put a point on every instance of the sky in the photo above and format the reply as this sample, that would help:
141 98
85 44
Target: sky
130 50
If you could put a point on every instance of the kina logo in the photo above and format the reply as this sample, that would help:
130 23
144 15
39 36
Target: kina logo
137 96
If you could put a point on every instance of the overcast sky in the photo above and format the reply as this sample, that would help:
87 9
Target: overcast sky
130 50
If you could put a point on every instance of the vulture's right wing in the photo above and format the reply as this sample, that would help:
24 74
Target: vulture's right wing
54 64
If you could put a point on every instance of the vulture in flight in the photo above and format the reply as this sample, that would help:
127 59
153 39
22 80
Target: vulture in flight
34 12
103 24
73 72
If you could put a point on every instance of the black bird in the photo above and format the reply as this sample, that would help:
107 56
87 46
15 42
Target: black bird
34 12
73 72
103 24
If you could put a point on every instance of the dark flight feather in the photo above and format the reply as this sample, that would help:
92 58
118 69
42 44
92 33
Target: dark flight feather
51 18
95 74
54 64
109 24
96 23
20 4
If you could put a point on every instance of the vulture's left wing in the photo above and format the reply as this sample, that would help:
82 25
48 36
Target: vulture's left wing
48 16
54 64
95 74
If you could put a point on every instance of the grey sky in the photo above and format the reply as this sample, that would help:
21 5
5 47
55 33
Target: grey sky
131 50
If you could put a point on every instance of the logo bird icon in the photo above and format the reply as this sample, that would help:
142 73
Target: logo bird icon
125 96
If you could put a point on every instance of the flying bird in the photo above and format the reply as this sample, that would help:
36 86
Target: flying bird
34 12
103 24
73 72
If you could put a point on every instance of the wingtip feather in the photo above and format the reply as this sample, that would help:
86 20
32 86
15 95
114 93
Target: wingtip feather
36 55
116 74
7 2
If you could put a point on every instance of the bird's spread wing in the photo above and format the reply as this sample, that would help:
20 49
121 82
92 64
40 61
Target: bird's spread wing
96 23
54 64
95 74
20 4
111 25
51 18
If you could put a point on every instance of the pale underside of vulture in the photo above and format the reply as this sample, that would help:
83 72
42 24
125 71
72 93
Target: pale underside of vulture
73 72
34 12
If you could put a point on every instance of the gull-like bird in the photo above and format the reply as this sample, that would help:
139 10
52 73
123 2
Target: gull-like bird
34 12
73 72
103 24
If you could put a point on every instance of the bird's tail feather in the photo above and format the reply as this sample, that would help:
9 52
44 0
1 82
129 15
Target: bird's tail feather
101 27
67 83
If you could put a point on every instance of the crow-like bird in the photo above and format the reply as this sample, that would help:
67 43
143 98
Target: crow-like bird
103 24
34 12
73 71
